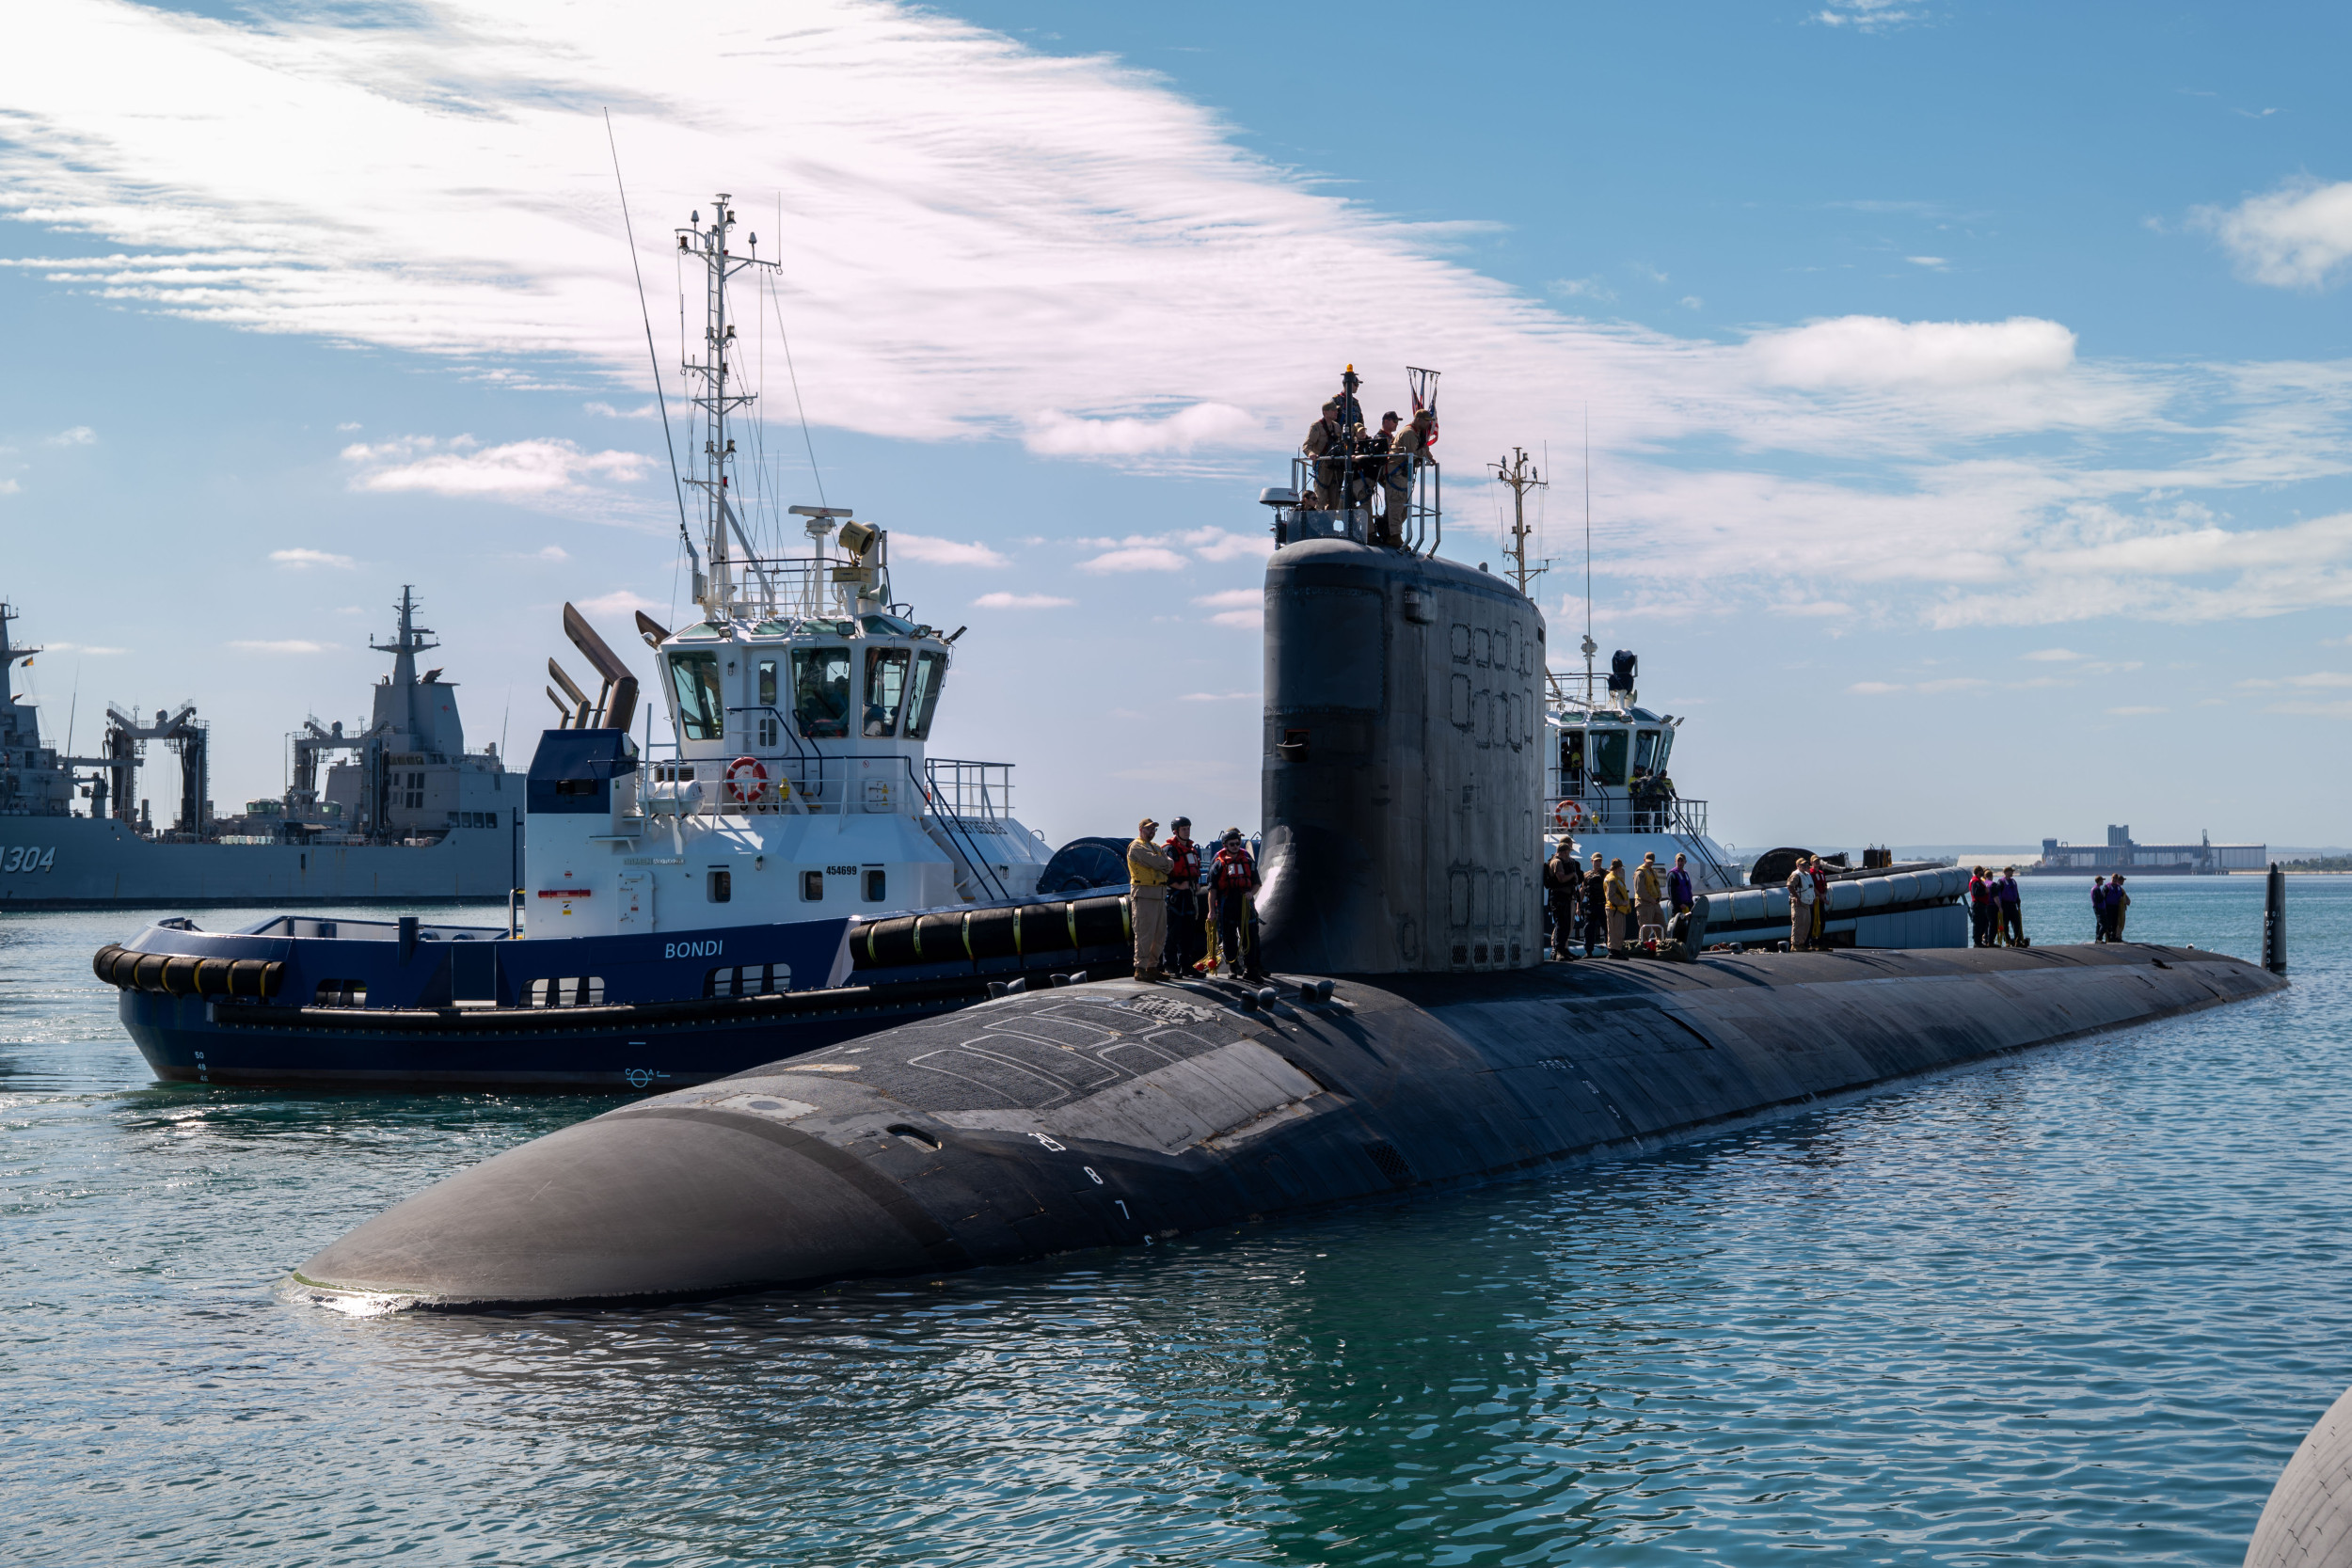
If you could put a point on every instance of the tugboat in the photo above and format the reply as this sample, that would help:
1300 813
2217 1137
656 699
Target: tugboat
687 910
1606 785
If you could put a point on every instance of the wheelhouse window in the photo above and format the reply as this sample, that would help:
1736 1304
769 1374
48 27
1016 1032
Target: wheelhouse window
1609 748
1645 751
923 694
820 691
885 690
767 697
702 708
1573 763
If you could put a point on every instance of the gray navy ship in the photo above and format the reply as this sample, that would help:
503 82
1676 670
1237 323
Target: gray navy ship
396 813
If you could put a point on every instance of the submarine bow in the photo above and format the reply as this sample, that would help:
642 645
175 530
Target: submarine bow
1399 771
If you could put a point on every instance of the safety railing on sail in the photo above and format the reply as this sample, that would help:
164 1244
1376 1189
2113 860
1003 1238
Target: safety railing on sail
1347 496
1615 814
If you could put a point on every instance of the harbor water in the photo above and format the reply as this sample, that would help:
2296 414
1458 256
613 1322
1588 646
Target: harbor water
2074 1306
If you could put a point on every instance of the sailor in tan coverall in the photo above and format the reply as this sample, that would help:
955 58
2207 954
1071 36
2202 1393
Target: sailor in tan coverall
1323 437
1648 888
1147 876
1407 450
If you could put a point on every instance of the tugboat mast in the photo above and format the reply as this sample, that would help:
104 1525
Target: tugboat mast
708 378
1513 472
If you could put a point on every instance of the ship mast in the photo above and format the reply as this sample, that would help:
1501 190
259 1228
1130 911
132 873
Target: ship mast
707 379
1515 472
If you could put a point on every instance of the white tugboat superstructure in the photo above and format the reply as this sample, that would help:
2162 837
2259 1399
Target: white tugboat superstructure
798 784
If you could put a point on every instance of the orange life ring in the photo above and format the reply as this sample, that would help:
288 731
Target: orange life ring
740 768
1567 816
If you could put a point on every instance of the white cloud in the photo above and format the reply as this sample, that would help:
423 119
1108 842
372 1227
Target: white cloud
1215 544
284 645
80 435
994 231
301 560
9 487
2053 656
347 427
1139 558
619 602
1217 697
1937 263
643 411
1865 351
1933 688
2296 237
1233 598
1187 430
928 551
1582 288
465 468
2136 710
90 649
1868 16
549 553
1021 601
1245 620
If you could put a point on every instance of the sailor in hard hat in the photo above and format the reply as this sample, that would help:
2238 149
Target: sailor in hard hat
1233 885
1147 881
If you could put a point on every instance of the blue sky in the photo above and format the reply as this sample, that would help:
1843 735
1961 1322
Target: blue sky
1968 386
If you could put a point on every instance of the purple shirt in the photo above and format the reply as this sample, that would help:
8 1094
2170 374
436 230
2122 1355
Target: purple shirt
2006 887
1678 888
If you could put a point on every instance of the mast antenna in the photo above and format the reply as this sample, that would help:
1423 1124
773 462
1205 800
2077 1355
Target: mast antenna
1591 647
716 401
677 485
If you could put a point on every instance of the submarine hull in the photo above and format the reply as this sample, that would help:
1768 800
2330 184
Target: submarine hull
1114 1113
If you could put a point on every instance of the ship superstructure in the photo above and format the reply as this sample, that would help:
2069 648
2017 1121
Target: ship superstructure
403 811
796 785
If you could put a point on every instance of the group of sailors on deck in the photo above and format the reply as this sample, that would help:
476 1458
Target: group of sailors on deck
1351 461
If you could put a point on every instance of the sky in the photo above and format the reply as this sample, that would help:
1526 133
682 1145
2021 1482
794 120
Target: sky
1966 387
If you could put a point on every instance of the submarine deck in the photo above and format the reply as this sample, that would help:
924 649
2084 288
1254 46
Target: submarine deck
1116 1111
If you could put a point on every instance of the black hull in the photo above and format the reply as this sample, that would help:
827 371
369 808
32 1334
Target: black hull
643 1049
1110 1115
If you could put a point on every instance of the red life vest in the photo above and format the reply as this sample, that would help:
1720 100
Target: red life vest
1234 871
1184 865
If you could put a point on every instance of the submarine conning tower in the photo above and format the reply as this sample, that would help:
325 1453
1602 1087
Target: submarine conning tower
1401 764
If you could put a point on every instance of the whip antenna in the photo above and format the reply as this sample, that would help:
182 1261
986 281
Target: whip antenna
651 356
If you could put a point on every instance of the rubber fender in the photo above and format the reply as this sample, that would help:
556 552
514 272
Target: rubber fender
939 938
990 934
180 975
103 963
273 976
1041 928
245 977
887 943
1100 922
211 976
147 971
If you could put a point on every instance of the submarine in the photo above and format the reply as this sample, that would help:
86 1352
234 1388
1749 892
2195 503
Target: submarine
1413 1036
